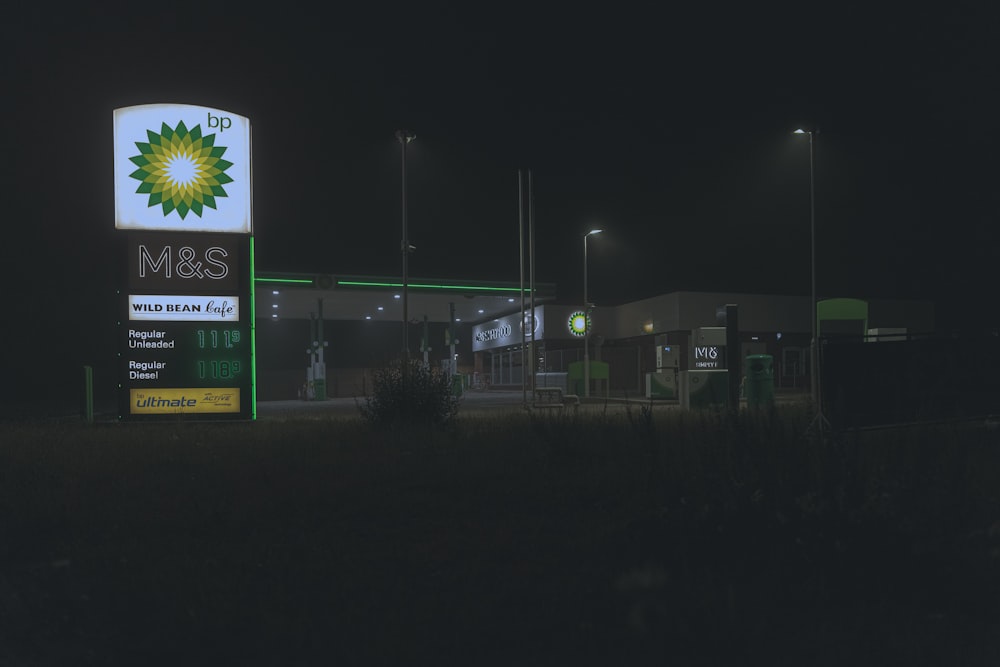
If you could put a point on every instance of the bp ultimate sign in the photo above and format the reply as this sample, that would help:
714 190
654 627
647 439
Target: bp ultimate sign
182 201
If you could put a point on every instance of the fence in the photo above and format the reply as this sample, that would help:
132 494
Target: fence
917 380
624 362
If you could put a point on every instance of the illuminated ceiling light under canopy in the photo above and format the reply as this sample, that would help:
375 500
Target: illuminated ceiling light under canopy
284 280
374 283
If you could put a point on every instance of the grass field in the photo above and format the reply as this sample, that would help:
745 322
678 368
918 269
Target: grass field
636 539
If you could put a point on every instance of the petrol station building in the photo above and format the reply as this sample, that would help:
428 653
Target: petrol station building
339 329
189 344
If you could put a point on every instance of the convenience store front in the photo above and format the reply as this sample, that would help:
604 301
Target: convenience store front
675 332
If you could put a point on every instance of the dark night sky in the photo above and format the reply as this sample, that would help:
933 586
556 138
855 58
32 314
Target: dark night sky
668 128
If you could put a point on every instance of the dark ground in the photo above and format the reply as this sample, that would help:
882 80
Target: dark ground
315 543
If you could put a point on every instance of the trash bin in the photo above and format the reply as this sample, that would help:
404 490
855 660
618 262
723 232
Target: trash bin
319 389
760 380
456 384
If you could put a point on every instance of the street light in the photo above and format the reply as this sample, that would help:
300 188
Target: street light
586 318
404 138
813 360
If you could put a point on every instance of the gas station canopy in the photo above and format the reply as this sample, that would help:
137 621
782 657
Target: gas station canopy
303 296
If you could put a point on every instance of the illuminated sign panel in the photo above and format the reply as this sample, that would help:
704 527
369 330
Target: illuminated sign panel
493 333
709 356
184 262
183 308
503 331
578 323
507 331
180 338
209 361
183 196
197 400
171 354
180 167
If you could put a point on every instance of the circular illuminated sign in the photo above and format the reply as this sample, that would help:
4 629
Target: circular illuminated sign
578 323
529 325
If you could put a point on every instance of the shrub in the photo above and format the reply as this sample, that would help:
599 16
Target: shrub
417 396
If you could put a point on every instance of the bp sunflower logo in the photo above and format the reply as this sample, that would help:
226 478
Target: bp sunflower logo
181 170
578 323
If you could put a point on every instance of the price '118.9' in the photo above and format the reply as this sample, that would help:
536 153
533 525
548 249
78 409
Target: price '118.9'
218 370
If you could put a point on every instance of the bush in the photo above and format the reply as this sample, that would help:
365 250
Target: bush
418 396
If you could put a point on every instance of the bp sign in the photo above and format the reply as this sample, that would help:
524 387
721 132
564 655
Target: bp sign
182 199
578 323
183 168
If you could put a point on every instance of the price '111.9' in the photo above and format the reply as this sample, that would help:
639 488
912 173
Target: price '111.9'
212 338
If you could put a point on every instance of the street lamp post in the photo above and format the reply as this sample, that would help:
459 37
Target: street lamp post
813 360
404 138
586 318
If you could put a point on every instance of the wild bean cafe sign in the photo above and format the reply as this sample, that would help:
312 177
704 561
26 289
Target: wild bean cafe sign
183 202
170 308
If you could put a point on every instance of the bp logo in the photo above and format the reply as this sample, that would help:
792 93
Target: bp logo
181 170
578 323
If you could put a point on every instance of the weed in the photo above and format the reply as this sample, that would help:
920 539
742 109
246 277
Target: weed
409 395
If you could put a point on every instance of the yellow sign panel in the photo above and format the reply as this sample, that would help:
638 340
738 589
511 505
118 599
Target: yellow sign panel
173 401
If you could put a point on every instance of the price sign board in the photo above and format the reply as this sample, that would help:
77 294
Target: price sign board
178 354
186 327
183 197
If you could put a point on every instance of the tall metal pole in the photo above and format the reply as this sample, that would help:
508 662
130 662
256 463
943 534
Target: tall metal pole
533 352
520 245
586 319
813 350
404 138
586 325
